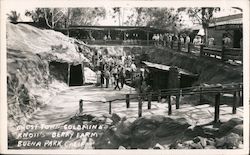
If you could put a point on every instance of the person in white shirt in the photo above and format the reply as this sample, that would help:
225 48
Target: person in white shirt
210 41
187 39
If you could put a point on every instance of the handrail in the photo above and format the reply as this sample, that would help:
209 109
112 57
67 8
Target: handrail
177 92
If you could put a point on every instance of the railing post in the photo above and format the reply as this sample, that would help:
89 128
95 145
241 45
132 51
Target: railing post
179 46
201 50
200 94
80 106
139 106
235 102
223 53
127 100
149 100
241 95
189 45
110 107
169 105
177 103
217 108
159 96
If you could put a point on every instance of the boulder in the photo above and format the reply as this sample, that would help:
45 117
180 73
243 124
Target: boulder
200 140
196 146
228 126
171 127
115 118
238 129
230 141
122 148
143 129
210 147
158 146
108 121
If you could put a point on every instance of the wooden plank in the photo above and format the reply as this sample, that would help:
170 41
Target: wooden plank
240 58
212 52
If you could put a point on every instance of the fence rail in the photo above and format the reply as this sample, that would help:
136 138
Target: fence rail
235 89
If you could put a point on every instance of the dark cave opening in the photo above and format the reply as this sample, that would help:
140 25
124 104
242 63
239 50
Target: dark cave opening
76 75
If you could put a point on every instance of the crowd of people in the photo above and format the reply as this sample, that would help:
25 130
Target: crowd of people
111 71
166 38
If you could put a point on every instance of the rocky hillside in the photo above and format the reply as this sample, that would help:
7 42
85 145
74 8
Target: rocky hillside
29 52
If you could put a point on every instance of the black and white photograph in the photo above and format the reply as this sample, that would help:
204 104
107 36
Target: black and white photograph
126 77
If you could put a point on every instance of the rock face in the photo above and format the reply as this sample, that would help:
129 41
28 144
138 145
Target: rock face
29 82
142 133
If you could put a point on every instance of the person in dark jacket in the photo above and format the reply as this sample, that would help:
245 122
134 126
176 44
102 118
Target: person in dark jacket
122 76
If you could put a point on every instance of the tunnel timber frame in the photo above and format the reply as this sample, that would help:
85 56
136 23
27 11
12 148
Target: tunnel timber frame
63 71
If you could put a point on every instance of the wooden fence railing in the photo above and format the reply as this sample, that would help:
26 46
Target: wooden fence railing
217 91
223 53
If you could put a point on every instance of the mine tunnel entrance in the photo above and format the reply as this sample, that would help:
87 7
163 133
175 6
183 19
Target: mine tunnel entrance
76 75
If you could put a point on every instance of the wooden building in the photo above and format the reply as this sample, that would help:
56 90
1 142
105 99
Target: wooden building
113 34
231 25
159 76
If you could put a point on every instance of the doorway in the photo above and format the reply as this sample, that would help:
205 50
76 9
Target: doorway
76 75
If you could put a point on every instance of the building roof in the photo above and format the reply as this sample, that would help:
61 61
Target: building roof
118 28
166 68
227 20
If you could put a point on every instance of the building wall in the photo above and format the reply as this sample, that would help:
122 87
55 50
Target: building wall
218 35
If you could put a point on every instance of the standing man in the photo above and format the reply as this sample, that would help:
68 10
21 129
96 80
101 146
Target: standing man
107 77
122 76
116 80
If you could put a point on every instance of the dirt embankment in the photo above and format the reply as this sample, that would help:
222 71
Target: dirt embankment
210 71
29 52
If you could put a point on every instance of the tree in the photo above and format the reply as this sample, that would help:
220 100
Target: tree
117 12
163 18
202 15
53 17
62 17
86 16
13 16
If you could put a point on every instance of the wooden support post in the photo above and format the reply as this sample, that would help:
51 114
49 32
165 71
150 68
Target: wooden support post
159 96
80 106
200 94
169 105
139 106
241 95
110 107
189 46
179 46
68 74
235 102
217 108
223 53
149 100
147 38
201 50
127 100
177 103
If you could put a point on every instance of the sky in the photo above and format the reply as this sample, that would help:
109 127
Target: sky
110 21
